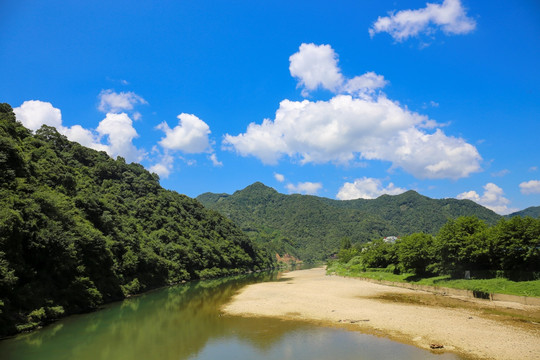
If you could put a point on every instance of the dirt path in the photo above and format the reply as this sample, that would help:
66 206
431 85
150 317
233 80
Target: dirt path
480 329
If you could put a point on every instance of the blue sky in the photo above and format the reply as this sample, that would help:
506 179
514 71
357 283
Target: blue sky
340 99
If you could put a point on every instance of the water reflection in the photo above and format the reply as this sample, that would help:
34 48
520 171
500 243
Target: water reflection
184 322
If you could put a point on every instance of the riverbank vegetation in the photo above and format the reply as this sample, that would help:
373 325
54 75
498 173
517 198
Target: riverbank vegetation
503 258
79 229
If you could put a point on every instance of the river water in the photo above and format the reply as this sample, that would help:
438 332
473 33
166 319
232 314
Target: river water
184 322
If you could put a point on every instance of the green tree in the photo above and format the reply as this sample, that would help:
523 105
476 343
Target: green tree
516 245
462 245
378 254
416 252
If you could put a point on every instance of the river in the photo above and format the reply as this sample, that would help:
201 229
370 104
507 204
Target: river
184 322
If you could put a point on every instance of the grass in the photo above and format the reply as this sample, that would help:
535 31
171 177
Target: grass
493 286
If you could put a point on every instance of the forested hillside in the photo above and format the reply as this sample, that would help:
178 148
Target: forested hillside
312 227
533 211
78 229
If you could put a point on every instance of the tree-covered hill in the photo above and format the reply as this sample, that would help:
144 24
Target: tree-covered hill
533 211
78 229
312 227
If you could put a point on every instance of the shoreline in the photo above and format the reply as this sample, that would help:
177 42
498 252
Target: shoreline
470 327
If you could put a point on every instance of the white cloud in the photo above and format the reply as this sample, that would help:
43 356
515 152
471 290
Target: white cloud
279 177
316 66
365 84
533 168
164 167
307 187
530 187
344 128
119 130
367 188
215 160
492 199
110 101
34 113
450 16
189 136
84 137
353 126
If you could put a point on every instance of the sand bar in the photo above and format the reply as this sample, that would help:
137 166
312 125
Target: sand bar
360 305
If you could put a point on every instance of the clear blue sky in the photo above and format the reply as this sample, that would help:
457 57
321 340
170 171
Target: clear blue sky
360 98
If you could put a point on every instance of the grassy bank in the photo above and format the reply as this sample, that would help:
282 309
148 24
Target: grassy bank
496 285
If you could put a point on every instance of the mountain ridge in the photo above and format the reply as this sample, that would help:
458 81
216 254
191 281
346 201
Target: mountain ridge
311 227
532 211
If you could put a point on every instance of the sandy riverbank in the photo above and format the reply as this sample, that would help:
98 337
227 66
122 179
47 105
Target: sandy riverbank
471 327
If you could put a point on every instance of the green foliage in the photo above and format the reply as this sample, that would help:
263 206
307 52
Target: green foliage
345 255
515 245
533 211
462 245
346 243
314 226
378 254
416 253
78 229
509 250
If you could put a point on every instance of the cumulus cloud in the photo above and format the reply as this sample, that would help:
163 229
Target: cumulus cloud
34 113
316 66
355 124
367 188
189 136
119 130
450 17
492 198
307 187
110 101
365 84
164 167
279 177
83 136
343 128
214 159
530 187
116 128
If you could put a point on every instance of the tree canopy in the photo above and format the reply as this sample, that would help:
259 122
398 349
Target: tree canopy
510 249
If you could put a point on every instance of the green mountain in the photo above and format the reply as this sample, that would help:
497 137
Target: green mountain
533 211
312 227
78 229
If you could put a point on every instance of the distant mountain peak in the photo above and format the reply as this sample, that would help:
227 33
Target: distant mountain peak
257 187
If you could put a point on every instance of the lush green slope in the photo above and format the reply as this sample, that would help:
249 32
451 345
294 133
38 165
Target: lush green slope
312 227
533 211
78 229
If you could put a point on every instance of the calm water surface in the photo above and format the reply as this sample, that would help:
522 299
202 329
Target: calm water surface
184 322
